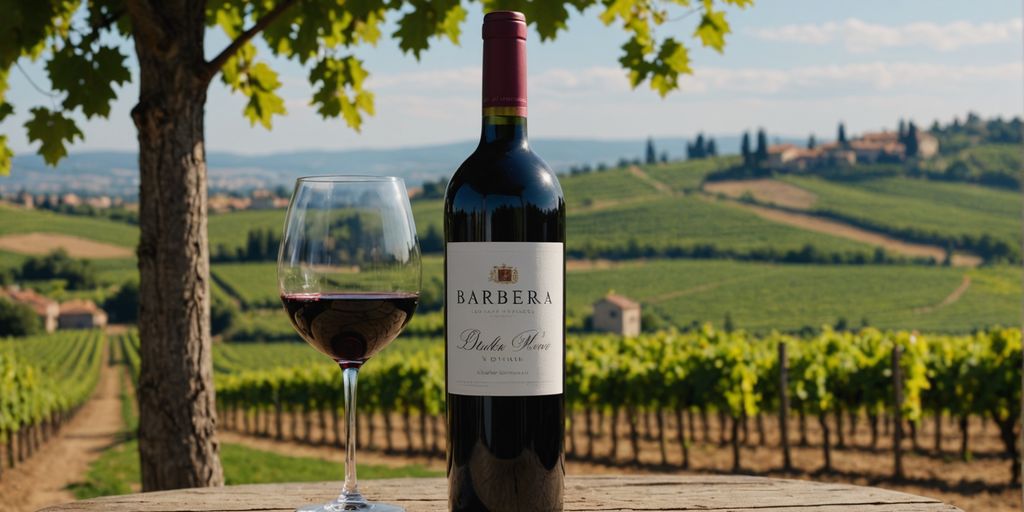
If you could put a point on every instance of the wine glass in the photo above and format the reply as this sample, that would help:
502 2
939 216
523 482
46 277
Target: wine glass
349 275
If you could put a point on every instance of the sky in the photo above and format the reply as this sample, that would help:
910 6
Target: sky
794 67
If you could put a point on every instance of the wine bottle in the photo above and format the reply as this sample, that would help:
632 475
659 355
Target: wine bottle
504 223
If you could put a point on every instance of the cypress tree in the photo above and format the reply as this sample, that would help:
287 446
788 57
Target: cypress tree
745 150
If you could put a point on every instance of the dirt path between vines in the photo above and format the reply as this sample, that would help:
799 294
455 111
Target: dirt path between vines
76 246
43 480
659 186
950 299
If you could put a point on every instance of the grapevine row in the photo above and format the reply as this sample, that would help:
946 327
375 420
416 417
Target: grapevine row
43 380
834 374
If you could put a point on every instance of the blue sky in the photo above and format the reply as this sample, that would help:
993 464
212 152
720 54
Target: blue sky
792 66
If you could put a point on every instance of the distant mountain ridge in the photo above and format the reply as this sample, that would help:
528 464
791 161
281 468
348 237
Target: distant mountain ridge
115 172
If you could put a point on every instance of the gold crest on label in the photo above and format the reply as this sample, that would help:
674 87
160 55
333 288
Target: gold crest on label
504 274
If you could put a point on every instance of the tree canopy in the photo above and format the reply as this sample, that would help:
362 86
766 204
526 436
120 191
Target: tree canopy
77 41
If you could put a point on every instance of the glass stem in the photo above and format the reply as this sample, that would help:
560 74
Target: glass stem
351 490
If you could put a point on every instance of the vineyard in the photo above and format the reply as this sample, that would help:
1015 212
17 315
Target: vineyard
922 211
43 380
660 387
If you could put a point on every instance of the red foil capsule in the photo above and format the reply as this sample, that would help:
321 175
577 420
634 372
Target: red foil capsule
504 80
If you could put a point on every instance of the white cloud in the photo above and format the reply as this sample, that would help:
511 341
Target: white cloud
862 37
853 77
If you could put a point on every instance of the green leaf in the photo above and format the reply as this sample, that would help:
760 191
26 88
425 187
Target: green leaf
429 18
414 31
452 24
617 9
53 131
340 91
88 77
5 156
6 109
260 83
712 30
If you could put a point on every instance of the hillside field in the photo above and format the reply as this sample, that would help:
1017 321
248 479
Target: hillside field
760 296
953 210
659 207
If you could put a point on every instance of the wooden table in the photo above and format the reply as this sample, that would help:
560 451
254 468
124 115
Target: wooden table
701 492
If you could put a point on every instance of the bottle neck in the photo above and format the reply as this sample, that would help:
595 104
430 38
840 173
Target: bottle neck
502 129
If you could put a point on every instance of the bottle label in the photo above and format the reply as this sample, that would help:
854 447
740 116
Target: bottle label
504 319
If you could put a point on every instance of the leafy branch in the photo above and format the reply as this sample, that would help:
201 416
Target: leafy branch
215 64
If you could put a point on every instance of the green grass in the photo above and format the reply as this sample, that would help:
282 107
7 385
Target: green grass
17 220
950 210
231 229
428 213
11 260
787 297
243 465
688 221
255 284
613 185
758 296
117 470
688 175
985 200
116 271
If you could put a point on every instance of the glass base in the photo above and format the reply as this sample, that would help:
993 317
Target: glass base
351 502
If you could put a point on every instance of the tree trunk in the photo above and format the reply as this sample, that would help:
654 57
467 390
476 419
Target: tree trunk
681 437
840 435
938 433
746 428
634 434
336 426
388 441
435 435
825 442
614 434
590 432
803 428
10 449
423 430
294 413
178 444
913 436
873 420
278 421
690 427
648 431
762 437
407 420
371 437
965 450
661 435
1009 438
705 425
735 444
721 429
322 417
854 418
571 432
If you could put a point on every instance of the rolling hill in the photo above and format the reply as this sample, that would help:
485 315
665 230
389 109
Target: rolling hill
664 206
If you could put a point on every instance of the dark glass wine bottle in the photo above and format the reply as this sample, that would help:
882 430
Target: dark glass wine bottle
504 221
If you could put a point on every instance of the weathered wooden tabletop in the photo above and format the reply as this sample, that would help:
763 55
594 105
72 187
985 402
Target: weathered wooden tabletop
701 492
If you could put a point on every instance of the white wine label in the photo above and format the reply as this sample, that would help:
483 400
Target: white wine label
504 318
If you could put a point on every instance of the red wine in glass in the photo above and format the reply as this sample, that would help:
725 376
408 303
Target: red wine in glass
349 327
349 276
